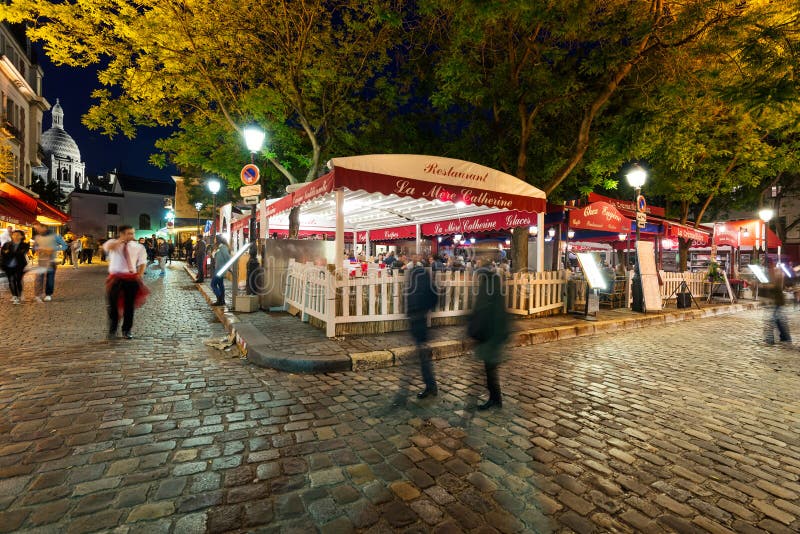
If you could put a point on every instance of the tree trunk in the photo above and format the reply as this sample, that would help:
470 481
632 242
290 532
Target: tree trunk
683 252
519 250
294 222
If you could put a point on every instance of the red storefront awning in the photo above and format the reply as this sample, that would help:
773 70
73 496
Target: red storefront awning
11 213
687 232
480 223
389 234
627 205
420 177
49 214
599 216
746 233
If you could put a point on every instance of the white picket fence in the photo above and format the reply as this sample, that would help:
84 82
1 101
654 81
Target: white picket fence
672 281
337 298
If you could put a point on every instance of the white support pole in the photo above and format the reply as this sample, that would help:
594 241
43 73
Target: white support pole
418 247
339 240
368 246
540 242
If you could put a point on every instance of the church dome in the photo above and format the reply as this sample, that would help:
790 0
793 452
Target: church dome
56 141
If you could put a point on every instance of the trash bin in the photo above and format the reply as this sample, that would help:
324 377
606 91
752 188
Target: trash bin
684 300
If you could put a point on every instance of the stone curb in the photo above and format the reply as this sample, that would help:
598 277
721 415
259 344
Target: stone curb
254 346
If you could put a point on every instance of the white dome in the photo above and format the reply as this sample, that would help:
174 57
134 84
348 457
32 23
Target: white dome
56 141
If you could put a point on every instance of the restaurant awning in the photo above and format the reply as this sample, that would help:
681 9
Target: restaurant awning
50 215
687 232
745 233
391 190
599 216
10 213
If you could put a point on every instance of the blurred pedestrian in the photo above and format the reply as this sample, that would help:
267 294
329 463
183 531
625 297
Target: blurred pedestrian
5 237
188 249
127 261
200 258
13 259
161 254
421 299
91 245
776 317
47 244
222 254
74 252
488 325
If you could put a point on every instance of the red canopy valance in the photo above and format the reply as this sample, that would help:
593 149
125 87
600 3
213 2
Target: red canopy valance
687 232
481 223
599 216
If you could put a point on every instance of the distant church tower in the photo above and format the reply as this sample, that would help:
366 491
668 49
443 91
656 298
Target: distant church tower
62 157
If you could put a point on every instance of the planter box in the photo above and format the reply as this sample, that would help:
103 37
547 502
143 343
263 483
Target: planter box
246 303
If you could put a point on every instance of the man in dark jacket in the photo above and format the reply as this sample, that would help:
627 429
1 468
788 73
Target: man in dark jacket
488 325
421 298
13 259
200 258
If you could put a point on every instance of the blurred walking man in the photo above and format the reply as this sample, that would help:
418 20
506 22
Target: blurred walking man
421 298
127 261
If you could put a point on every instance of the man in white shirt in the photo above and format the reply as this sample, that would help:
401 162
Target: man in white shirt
127 260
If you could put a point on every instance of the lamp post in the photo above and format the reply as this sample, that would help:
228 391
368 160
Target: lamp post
254 139
636 178
198 206
214 186
766 214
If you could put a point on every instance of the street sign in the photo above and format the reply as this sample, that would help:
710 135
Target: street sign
250 174
641 219
641 205
251 200
250 190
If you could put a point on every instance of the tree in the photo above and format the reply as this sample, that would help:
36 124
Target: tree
6 155
540 74
297 67
49 191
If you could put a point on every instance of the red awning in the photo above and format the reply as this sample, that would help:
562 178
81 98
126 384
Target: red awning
627 205
388 234
420 177
11 213
687 232
599 216
50 212
481 223
746 233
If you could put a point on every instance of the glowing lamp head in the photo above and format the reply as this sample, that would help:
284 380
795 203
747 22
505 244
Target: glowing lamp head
533 230
570 234
508 242
745 232
636 176
460 204
214 186
457 238
198 206
766 214
552 231
622 237
472 240
254 138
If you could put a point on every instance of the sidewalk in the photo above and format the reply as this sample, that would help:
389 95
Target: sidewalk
281 341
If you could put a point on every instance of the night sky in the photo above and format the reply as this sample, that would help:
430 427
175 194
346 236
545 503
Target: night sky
100 153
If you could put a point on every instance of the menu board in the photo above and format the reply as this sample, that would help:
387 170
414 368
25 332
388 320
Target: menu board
649 273
591 270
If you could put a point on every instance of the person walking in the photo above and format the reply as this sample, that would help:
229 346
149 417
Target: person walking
46 245
125 289
222 254
188 249
13 259
200 258
776 318
91 245
74 252
162 252
488 325
421 298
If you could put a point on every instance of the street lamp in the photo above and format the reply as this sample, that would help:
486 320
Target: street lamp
254 139
766 214
636 177
214 186
198 206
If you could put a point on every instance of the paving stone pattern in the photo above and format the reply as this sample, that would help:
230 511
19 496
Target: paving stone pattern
689 427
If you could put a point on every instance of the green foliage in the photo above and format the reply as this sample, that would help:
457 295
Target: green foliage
49 191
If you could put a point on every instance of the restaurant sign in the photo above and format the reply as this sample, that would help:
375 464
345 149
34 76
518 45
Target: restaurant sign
599 216
627 205
388 234
687 233
481 223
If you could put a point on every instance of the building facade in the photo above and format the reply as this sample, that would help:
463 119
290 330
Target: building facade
62 157
134 201
21 102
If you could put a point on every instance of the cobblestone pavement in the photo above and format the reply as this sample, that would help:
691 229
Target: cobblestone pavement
686 427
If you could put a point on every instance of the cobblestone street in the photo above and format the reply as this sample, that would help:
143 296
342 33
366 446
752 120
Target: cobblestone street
689 427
